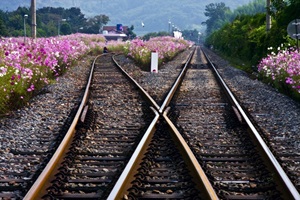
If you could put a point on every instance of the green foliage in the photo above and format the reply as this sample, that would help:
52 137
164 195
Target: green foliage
256 6
155 14
49 20
95 24
148 36
246 39
240 38
219 14
131 34
192 35
65 28
117 47
3 30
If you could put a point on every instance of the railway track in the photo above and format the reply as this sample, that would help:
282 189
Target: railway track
281 136
284 185
217 130
78 176
196 145
24 161
218 138
103 143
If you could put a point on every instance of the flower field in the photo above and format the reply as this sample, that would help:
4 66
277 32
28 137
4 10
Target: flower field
282 70
167 48
27 66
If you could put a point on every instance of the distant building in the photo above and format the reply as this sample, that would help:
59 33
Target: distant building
118 32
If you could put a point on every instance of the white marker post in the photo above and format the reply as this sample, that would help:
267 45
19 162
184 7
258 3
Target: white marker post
154 62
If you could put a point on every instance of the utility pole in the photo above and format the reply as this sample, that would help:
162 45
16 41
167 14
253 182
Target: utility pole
25 16
268 16
33 23
101 18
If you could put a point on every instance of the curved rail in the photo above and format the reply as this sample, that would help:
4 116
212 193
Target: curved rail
198 173
148 97
287 187
176 84
47 174
127 174
41 183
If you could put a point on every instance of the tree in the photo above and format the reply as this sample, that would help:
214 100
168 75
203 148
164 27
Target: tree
50 28
95 24
65 29
50 18
3 30
254 7
75 19
192 35
131 34
246 38
155 34
218 15
277 5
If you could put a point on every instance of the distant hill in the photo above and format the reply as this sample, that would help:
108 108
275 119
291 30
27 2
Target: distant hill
155 14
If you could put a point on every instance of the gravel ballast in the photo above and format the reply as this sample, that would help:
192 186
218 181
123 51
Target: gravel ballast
276 114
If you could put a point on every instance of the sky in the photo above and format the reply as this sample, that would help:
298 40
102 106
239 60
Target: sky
137 15
14 4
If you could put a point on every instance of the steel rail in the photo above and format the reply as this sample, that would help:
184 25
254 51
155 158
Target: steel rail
176 84
197 171
148 97
199 175
286 187
40 184
123 183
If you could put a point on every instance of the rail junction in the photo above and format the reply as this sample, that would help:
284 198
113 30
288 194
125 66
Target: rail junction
197 142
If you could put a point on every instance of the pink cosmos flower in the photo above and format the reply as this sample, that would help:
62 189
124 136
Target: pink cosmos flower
31 88
289 80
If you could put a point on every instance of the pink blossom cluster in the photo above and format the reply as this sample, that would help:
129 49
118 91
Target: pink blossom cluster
283 67
167 47
90 40
26 67
47 52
